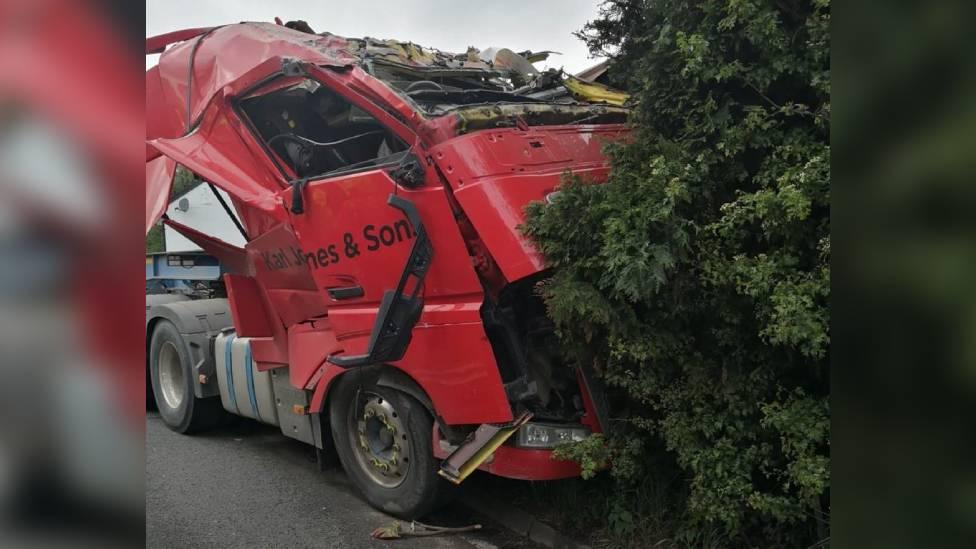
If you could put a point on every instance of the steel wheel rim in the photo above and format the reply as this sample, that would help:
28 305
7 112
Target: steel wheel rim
380 440
172 383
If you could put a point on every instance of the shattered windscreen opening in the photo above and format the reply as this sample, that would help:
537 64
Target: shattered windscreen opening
318 132
440 90
484 99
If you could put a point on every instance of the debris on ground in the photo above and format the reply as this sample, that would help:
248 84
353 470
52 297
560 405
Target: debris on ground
396 530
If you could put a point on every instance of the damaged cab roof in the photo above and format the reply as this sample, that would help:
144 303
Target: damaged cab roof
432 81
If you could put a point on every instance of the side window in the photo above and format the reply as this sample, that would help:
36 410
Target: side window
318 133
193 203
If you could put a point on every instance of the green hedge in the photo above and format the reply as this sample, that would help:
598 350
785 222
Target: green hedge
697 279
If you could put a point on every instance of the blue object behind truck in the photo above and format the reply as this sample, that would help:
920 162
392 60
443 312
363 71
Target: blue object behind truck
181 272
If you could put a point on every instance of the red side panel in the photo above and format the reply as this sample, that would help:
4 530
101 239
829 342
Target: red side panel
309 343
255 221
281 267
350 236
232 258
217 153
320 383
270 352
160 121
455 366
362 241
246 307
496 173
159 181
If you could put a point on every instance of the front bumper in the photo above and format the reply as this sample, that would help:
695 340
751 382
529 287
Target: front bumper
517 463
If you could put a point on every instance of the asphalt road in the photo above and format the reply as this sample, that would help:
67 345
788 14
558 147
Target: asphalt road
249 486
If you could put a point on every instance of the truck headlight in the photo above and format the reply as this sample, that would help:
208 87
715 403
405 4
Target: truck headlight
548 435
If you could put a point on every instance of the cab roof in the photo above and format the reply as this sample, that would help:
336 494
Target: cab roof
224 54
220 56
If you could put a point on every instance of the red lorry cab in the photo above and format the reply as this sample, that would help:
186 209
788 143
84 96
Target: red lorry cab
385 289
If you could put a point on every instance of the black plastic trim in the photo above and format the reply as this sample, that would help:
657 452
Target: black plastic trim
349 292
398 312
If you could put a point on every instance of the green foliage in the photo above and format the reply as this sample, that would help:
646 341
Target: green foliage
592 454
183 181
155 239
697 279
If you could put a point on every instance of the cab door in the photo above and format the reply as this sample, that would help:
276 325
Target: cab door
344 158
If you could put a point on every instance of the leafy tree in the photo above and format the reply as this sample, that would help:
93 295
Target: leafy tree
697 279
155 239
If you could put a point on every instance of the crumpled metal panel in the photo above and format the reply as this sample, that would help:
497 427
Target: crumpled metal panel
232 258
158 43
216 152
223 55
159 181
495 174
594 92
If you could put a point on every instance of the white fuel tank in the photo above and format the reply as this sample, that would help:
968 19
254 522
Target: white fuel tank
244 390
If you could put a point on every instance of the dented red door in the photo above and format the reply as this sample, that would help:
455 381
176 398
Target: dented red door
356 246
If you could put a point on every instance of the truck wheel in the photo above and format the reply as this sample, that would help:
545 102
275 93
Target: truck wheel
171 374
383 438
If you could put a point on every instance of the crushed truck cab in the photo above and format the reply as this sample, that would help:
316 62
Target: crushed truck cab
384 300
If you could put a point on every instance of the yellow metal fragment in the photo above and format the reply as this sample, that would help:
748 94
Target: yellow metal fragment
593 92
486 451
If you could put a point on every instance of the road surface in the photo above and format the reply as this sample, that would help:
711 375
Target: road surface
249 486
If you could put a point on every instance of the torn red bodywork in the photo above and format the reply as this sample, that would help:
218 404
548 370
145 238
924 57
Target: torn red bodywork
312 235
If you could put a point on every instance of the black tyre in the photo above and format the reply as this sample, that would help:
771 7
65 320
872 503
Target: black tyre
171 374
383 439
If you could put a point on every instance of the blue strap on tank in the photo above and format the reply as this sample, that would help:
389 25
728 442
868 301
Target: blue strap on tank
249 372
229 367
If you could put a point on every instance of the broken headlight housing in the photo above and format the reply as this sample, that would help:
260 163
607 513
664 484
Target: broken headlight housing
549 435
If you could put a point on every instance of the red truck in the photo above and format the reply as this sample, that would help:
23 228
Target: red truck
383 306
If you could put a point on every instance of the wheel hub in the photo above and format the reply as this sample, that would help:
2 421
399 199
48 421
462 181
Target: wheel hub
171 382
382 441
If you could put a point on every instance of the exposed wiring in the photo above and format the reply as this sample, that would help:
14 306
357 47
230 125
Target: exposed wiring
312 142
